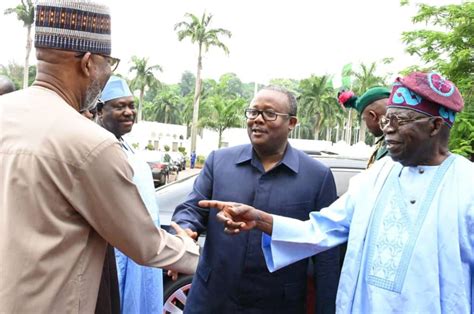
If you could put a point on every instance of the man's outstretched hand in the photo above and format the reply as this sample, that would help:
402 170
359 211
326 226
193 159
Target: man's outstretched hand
184 233
237 217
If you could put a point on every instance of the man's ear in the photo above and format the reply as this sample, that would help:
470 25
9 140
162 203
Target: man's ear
293 122
436 124
373 115
86 64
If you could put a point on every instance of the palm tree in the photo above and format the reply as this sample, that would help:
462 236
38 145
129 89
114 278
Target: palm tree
199 32
168 106
25 12
144 77
316 101
222 113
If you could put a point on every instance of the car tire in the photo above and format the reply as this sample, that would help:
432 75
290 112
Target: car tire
175 294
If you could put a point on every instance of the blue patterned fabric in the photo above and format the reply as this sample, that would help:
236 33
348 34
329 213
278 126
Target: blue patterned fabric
413 253
395 229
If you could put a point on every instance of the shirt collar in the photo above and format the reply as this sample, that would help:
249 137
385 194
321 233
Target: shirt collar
380 139
290 159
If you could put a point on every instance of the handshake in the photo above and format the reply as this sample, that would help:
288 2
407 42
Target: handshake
235 217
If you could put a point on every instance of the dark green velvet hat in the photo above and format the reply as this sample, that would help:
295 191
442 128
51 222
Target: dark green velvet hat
371 95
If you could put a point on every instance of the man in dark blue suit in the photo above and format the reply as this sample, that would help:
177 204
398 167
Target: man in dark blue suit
232 276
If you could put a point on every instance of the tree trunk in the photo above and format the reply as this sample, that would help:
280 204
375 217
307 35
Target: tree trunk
349 127
27 57
197 96
220 138
316 132
363 128
140 104
328 134
317 127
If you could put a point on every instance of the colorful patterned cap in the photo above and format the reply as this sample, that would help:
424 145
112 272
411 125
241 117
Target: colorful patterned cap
371 95
428 93
116 87
76 25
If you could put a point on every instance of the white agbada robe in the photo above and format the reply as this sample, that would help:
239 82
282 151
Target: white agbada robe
410 236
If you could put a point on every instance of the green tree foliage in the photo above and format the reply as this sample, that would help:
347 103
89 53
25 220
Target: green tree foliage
223 104
187 84
168 105
365 77
317 104
144 77
182 150
25 12
15 72
290 84
148 110
447 46
222 113
200 33
230 85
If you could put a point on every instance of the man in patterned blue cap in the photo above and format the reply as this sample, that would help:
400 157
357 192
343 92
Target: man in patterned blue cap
140 287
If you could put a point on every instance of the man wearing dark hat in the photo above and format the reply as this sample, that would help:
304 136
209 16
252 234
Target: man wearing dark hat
371 106
408 220
6 85
66 185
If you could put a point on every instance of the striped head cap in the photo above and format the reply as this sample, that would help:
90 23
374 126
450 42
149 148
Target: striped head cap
75 25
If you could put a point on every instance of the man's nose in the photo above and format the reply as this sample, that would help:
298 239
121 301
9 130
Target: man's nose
259 118
388 129
128 111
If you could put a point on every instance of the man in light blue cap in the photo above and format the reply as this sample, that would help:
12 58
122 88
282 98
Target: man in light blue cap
141 288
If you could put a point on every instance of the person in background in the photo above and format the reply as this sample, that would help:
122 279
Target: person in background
66 185
371 106
408 220
268 173
192 160
140 287
6 85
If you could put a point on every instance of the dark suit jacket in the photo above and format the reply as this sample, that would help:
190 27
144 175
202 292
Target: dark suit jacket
232 276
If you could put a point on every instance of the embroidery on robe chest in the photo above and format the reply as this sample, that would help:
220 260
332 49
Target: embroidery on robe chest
393 231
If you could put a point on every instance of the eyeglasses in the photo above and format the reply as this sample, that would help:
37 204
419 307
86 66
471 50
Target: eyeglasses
397 121
113 62
268 115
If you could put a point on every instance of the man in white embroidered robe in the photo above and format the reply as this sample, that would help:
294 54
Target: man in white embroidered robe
409 220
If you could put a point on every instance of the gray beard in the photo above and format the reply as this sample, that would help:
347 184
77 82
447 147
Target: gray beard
92 96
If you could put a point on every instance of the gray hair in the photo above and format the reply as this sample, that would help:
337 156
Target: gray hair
292 103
